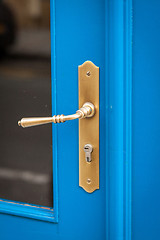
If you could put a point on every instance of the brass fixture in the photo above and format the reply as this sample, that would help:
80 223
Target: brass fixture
89 128
87 110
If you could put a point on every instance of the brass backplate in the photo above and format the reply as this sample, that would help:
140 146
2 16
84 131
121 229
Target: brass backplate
89 127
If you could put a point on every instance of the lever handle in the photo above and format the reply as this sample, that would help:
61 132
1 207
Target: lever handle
87 110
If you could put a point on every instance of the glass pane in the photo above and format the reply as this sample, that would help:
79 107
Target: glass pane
25 91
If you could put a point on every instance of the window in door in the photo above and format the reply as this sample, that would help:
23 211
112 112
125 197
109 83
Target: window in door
25 90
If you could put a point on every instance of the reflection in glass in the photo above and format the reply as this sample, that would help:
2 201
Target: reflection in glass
25 90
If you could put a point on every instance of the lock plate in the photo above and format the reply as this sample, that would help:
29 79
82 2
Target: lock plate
89 127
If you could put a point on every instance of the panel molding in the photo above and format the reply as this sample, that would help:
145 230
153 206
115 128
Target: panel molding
119 119
128 110
54 106
27 210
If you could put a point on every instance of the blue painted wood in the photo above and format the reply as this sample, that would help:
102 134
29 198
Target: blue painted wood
146 120
82 26
77 35
54 107
128 39
116 120
127 204
119 24
27 210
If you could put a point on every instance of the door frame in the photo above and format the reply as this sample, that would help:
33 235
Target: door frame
119 103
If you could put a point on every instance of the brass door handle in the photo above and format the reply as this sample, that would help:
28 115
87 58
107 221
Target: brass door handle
87 110
88 76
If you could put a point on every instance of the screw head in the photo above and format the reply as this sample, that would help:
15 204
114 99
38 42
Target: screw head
88 73
89 181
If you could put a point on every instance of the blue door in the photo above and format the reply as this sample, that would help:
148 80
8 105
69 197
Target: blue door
33 205
40 196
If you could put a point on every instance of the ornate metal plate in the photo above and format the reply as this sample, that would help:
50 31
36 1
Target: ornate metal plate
89 127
